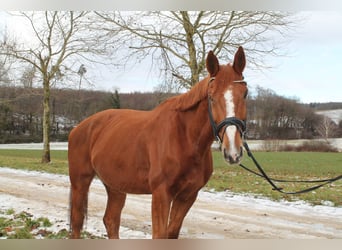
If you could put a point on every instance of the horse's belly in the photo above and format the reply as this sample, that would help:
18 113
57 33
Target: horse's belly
120 159
125 177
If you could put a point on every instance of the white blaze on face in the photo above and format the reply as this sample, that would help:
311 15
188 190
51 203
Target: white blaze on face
230 130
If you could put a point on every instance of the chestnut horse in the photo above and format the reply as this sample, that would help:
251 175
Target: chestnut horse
165 152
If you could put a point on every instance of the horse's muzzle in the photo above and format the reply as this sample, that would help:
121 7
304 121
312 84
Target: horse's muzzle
232 158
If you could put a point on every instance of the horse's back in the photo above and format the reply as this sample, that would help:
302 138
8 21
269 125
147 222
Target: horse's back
103 126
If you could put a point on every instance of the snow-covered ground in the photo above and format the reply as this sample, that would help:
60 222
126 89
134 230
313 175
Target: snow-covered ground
214 214
36 146
260 144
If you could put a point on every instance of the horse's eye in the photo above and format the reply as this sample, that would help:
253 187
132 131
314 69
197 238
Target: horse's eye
246 93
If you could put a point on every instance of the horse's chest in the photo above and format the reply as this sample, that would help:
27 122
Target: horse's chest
192 178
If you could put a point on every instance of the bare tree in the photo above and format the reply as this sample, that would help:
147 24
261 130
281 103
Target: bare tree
28 76
81 71
326 128
59 40
4 70
179 40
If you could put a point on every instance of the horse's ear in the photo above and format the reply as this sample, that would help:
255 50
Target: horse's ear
239 61
212 64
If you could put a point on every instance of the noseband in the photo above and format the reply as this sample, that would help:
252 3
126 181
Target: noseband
229 121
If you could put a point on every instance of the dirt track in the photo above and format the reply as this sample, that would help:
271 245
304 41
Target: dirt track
214 215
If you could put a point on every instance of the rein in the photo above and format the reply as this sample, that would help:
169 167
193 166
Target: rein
272 180
241 126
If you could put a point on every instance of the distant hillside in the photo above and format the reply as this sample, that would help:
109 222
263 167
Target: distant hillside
325 106
334 114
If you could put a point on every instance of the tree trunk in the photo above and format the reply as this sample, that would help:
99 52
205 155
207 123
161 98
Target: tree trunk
46 122
189 31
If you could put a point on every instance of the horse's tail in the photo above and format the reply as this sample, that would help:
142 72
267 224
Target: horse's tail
69 210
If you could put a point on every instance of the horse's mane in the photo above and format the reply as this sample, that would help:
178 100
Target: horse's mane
189 99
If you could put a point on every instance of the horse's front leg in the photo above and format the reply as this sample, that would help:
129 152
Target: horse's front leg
115 203
161 202
180 208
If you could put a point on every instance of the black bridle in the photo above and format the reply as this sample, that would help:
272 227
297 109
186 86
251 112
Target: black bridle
229 121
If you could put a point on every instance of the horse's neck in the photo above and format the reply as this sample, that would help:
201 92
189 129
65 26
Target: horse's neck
192 109
197 125
189 100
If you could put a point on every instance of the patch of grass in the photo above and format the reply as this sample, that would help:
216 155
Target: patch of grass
44 222
17 226
21 233
31 160
23 225
4 223
10 211
61 234
282 165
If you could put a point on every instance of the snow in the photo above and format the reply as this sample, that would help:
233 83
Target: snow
261 203
59 215
35 146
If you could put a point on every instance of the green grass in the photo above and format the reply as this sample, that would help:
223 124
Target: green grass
31 160
24 225
281 165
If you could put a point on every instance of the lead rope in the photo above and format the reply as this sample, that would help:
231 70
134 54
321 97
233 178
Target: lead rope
271 180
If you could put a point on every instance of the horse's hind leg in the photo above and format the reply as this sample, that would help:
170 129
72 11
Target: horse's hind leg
79 201
112 217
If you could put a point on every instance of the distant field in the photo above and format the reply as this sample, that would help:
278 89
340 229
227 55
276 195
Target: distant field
286 165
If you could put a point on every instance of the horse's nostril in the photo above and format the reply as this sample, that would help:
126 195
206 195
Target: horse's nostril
229 158
225 155
232 158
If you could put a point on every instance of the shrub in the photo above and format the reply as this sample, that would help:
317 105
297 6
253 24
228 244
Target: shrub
273 145
310 146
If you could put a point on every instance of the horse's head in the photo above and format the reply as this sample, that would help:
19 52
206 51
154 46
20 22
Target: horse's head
227 93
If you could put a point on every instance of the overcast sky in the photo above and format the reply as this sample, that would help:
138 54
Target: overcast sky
312 72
